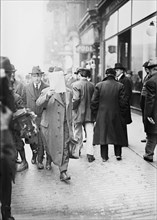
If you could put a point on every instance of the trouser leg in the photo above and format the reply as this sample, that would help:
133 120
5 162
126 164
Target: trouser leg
118 150
89 141
150 145
78 134
65 158
104 151
5 189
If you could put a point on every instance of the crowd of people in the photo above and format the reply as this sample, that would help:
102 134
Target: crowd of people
67 109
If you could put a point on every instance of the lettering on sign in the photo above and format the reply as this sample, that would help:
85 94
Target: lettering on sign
84 48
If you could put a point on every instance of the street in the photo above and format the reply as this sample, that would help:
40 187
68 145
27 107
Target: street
113 190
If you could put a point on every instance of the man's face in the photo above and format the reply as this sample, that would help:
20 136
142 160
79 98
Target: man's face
36 78
118 72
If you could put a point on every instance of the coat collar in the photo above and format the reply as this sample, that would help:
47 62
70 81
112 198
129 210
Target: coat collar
67 98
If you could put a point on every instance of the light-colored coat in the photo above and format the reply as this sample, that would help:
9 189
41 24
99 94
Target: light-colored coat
52 122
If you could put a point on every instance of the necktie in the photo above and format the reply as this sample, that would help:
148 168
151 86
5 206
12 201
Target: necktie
36 86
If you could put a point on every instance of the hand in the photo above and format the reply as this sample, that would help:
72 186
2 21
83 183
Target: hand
50 92
151 120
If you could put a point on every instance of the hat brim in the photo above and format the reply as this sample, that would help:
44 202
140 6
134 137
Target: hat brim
119 68
37 73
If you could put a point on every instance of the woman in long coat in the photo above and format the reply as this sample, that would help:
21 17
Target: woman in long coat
56 127
109 107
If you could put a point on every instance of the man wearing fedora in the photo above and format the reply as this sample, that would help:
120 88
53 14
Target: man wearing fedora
120 75
150 110
33 90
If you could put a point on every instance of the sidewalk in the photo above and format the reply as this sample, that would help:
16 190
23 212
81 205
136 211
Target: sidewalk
135 135
114 190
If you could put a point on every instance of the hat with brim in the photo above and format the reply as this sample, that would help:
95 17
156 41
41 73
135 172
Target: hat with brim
152 63
36 71
5 64
119 66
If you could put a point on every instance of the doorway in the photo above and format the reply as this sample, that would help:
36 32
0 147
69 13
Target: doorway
124 49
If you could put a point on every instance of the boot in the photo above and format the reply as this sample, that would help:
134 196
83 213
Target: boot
6 213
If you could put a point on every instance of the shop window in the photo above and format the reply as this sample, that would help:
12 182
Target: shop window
142 8
110 53
111 26
125 21
143 48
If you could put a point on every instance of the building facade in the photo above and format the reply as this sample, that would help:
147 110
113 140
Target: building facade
128 36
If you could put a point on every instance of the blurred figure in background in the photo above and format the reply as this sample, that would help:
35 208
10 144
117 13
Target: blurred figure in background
7 148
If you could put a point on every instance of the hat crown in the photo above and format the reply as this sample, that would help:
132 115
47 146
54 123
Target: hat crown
5 64
152 62
36 70
110 71
119 66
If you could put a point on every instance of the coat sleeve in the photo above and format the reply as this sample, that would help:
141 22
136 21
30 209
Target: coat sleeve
95 101
43 99
150 98
123 102
76 97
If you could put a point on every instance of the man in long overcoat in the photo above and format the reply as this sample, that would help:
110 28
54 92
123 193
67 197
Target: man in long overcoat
33 90
109 107
120 75
56 125
150 111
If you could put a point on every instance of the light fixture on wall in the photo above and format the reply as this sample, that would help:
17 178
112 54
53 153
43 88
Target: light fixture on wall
152 29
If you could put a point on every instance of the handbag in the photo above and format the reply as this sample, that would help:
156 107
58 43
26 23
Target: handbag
72 149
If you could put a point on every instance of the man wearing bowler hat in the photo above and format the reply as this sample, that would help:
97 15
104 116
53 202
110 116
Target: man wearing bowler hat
33 90
120 75
150 110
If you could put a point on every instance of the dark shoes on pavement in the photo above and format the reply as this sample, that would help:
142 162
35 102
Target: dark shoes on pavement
6 213
143 140
90 158
64 176
147 158
118 157
48 166
105 160
22 166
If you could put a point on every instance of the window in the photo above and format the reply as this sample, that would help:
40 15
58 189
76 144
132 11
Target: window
111 53
125 16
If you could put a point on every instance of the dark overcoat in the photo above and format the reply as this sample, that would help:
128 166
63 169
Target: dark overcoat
128 93
150 109
109 106
52 123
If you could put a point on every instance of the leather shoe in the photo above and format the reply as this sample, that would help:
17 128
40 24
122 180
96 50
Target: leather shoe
90 158
22 166
143 140
147 159
118 157
40 166
48 165
64 176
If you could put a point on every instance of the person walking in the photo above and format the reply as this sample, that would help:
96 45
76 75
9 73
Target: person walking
150 111
82 94
143 94
33 90
7 148
109 107
56 122
20 102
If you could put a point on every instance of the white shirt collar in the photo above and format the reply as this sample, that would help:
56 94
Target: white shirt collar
39 84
